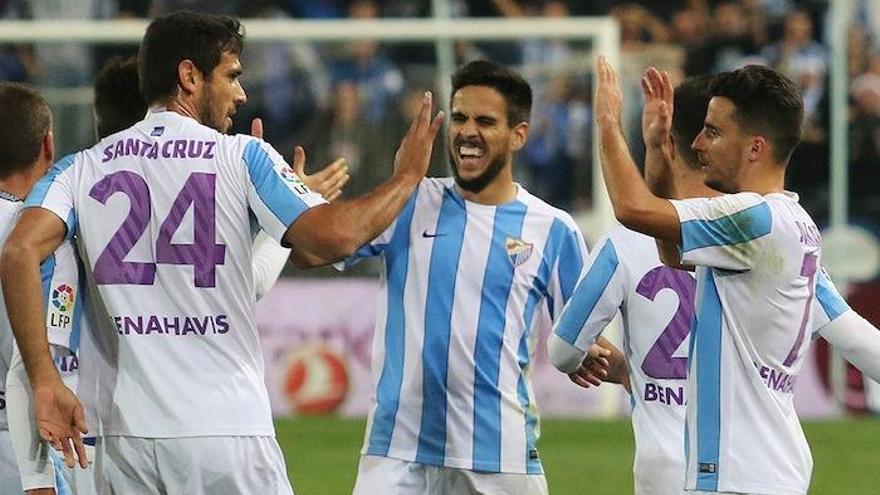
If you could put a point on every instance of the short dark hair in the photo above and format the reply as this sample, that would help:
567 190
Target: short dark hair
183 35
516 91
691 100
26 121
766 103
118 102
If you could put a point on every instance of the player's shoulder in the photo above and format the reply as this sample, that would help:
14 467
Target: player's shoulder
538 207
432 190
624 238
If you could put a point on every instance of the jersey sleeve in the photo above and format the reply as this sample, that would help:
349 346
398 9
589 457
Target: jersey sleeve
63 296
269 259
594 303
54 192
276 195
723 232
828 304
569 264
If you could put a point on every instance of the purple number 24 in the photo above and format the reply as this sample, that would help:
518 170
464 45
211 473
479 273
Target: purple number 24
204 254
659 361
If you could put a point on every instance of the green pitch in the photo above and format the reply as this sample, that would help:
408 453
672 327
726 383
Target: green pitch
580 456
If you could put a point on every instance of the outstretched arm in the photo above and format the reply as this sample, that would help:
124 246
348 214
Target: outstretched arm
634 204
857 340
333 231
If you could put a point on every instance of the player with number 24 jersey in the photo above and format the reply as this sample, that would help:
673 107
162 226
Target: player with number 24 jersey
170 203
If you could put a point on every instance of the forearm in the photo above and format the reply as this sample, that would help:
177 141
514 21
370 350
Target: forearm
857 340
22 292
269 260
333 231
634 204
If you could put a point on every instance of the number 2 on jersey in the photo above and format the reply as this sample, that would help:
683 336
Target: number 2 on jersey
659 361
204 254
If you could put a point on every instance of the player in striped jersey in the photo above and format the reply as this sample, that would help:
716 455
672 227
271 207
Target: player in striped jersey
755 296
182 300
470 264
26 152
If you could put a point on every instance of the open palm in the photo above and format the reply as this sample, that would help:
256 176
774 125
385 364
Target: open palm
61 421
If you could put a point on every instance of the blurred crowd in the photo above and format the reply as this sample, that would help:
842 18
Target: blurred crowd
355 99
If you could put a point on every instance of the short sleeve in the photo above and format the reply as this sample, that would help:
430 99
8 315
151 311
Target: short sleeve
828 304
54 192
596 299
276 195
723 232
569 263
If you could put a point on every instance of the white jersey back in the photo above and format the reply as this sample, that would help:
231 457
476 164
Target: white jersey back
757 260
9 208
453 348
165 211
624 273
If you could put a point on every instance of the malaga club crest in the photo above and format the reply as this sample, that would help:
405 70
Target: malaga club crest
518 251
63 297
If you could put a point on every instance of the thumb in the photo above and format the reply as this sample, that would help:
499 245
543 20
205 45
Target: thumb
79 418
299 161
257 128
299 166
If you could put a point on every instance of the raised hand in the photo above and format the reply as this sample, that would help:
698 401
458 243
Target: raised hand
61 421
593 369
328 181
657 113
609 99
414 154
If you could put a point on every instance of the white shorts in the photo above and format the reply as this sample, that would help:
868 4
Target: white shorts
386 476
10 480
191 466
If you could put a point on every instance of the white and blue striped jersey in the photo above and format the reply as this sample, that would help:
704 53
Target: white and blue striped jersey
624 273
165 212
9 208
453 348
757 262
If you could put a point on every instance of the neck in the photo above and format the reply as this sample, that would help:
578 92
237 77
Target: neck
185 107
770 179
499 191
20 184
690 185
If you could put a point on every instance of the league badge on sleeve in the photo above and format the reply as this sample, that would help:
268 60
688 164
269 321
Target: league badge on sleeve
518 251
63 299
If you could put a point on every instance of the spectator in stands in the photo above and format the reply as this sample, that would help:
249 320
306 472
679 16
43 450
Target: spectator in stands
379 81
801 59
864 140
731 46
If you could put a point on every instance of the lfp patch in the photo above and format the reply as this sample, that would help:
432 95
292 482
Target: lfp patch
289 175
63 297
518 251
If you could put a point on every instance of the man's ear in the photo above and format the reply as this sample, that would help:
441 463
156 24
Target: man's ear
758 146
48 147
519 136
189 77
